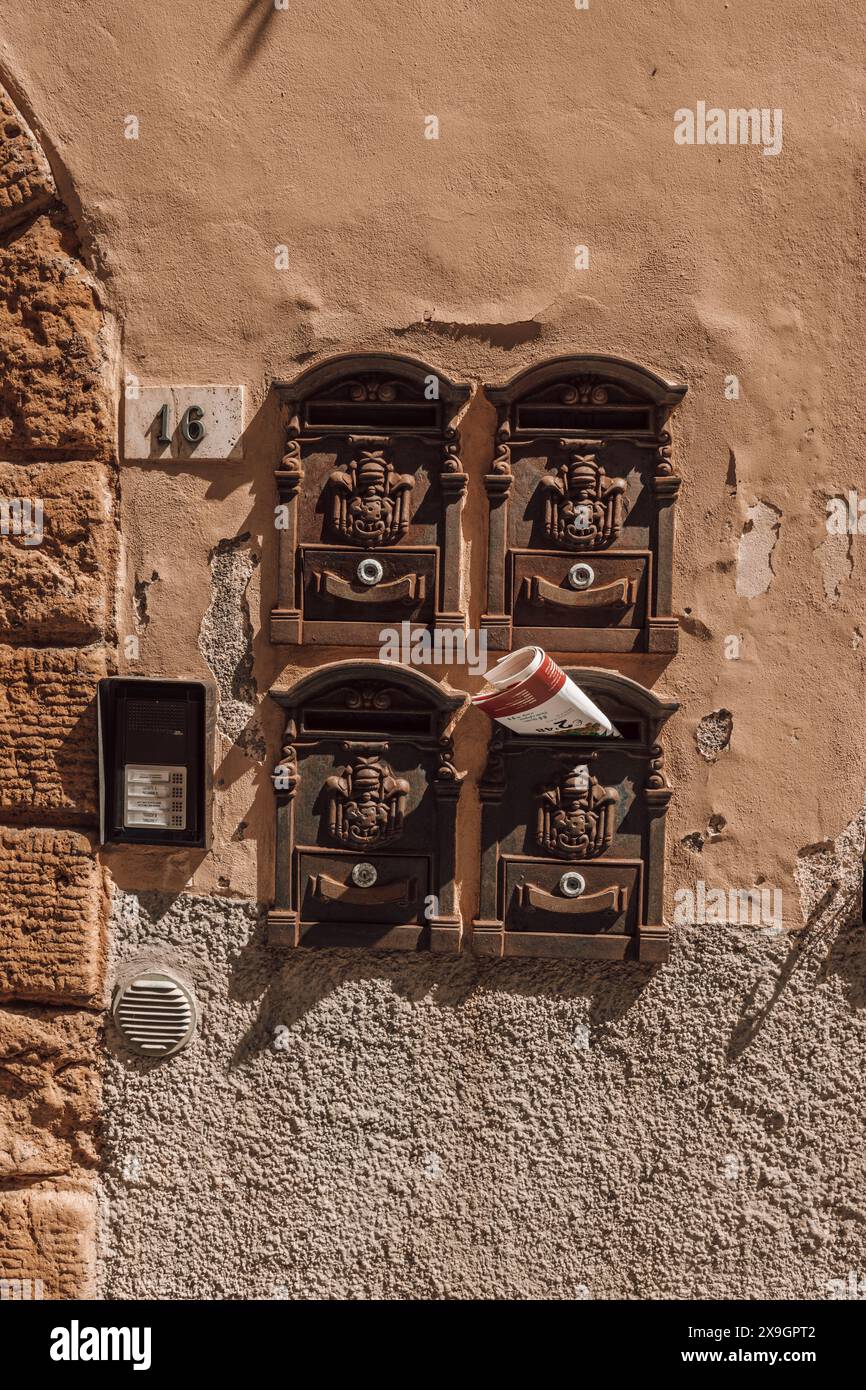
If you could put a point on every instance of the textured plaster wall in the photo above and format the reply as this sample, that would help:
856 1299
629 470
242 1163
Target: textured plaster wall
356 1126
434 1126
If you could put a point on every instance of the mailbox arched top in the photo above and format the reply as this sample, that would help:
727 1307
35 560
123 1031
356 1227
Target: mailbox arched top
588 376
620 696
353 367
421 691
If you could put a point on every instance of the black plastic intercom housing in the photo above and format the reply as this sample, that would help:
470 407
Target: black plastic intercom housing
155 763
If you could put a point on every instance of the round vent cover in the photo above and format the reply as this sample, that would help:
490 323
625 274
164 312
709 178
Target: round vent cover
155 1012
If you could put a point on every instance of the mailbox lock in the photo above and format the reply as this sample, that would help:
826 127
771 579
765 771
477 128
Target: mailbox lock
369 572
364 875
581 576
572 884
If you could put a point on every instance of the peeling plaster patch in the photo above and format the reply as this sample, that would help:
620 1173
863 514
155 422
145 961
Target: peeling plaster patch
755 551
829 877
713 733
503 335
226 642
142 617
837 564
693 841
696 839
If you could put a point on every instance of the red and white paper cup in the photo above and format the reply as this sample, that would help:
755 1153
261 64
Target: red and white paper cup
534 696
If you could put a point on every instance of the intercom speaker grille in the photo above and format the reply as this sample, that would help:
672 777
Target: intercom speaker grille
157 716
155 1013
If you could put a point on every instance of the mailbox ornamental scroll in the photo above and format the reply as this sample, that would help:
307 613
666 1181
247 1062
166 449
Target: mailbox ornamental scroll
366 796
573 834
581 494
370 489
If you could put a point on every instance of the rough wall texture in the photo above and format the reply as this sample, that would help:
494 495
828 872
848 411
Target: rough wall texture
51 918
50 1088
55 591
49 1243
53 349
370 1127
48 733
58 557
434 1126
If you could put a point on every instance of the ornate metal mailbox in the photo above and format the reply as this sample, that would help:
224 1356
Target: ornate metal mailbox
366 811
581 496
370 490
573 834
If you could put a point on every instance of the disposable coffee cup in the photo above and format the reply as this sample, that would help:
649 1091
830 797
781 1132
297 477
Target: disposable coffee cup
532 695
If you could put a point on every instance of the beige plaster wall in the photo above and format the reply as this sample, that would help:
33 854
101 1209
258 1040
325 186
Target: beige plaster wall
305 128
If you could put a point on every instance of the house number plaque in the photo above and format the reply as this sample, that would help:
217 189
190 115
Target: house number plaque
183 422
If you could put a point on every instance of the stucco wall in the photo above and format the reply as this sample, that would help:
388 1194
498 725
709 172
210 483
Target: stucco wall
304 128
360 1126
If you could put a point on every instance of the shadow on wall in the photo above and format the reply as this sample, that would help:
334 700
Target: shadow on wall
825 947
247 34
289 986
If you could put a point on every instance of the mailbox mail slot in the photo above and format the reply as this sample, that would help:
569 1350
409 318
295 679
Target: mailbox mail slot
156 740
573 835
366 799
342 588
370 490
583 477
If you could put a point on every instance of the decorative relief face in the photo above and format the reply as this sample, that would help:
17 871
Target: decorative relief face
584 509
576 815
366 804
369 503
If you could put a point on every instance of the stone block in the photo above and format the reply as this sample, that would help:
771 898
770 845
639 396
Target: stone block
48 735
54 353
51 916
47 1244
49 1093
58 549
26 183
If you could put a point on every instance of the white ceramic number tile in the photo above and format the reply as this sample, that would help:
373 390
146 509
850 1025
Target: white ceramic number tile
184 422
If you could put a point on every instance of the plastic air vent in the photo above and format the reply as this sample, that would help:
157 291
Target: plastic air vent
156 1013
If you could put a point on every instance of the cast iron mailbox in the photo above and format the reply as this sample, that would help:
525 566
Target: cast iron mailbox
366 811
581 494
573 834
370 490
